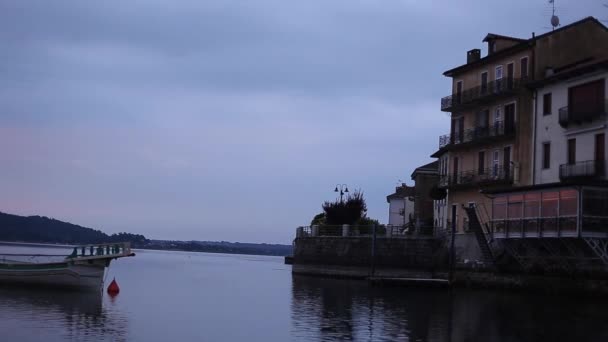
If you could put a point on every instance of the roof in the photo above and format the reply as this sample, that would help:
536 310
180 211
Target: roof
491 36
402 192
524 44
582 67
432 167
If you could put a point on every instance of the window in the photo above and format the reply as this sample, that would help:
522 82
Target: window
546 155
571 151
547 104
498 77
481 162
524 67
587 100
484 82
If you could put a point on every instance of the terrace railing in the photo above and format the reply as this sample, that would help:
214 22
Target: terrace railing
481 92
478 134
382 231
569 115
594 169
494 175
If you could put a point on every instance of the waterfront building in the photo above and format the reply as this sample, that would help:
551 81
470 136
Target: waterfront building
564 213
401 205
413 205
491 146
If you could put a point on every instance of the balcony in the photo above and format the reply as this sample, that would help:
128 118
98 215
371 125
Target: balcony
569 115
496 175
590 169
478 134
482 93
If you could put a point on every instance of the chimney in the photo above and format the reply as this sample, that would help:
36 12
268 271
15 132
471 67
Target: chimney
473 55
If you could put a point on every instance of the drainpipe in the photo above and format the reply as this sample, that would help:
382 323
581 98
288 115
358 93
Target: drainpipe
535 98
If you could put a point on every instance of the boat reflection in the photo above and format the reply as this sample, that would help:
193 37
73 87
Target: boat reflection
75 315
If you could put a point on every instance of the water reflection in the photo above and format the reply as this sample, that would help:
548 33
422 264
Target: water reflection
330 310
60 315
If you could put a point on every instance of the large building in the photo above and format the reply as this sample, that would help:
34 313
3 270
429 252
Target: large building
491 142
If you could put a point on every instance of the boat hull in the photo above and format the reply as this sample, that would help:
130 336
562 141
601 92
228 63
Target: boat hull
84 276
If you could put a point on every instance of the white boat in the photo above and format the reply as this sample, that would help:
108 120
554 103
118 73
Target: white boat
84 269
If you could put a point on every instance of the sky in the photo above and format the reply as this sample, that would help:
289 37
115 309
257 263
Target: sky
230 119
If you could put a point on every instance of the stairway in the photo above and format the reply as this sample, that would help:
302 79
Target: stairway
475 225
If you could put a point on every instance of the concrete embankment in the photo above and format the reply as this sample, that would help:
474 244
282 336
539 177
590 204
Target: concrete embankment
423 262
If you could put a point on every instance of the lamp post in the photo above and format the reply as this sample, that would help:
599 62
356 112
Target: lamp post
342 188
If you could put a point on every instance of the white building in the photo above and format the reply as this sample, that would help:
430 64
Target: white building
401 205
571 125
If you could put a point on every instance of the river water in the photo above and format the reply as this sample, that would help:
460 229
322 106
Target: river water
180 296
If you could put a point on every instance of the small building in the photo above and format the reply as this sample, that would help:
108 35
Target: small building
413 204
401 205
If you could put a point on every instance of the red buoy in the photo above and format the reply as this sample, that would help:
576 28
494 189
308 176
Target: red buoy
113 288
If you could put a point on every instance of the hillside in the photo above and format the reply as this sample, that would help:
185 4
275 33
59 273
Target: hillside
47 230
41 229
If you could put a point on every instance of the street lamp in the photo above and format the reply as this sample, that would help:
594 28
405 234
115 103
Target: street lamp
342 188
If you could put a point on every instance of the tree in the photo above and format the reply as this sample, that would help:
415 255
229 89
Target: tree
319 219
350 211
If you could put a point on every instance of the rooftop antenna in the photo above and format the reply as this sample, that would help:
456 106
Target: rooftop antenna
554 18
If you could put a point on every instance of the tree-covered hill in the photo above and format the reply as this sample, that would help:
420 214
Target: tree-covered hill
47 230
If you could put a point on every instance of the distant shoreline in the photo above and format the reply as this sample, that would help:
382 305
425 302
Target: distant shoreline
199 248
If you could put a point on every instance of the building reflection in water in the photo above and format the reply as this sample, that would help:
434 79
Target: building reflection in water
71 315
330 310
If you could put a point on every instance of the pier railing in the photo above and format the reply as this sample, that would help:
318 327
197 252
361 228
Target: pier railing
114 250
381 231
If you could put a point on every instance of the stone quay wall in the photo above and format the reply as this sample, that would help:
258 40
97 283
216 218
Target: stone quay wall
360 252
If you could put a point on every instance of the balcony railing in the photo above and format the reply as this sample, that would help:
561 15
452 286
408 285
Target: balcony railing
493 88
568 115
489 176
590 169
478 134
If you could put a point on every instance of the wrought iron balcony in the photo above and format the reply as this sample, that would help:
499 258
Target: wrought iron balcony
590 169
485 177
488 91
478 134
568 115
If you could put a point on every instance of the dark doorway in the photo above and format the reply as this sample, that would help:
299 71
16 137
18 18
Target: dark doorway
506 161
600 153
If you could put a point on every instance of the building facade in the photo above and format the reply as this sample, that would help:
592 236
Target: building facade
491 144
401 205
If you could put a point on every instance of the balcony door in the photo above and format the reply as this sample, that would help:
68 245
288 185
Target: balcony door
571 151
600 154
495 163
457 130
482 120
459 92
506 162
510 75
484 83
510 118
497 118
455 170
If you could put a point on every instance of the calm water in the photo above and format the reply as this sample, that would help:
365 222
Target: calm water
174 296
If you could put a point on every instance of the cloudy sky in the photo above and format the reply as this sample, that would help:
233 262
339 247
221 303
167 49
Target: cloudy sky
229 119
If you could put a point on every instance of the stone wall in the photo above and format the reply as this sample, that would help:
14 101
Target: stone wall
412 253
